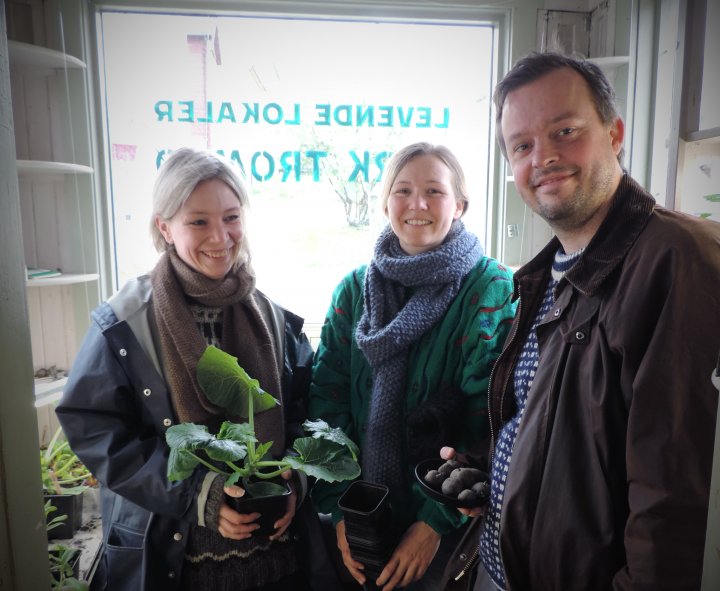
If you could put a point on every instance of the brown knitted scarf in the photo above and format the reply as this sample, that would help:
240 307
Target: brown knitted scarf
245 335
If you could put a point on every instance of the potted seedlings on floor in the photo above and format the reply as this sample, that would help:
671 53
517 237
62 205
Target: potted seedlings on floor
64 567
65 478
64 560
235 452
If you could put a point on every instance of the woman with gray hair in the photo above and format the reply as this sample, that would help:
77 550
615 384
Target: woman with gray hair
135 376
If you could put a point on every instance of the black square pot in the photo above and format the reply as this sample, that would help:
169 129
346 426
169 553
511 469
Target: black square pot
369 527
70 505
366 503
271 508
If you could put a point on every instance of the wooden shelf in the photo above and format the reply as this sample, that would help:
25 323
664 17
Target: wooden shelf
610 62
34 57
47 392
711 135
36 168
64 279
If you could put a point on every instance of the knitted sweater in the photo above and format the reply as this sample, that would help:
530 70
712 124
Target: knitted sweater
213 562
456 355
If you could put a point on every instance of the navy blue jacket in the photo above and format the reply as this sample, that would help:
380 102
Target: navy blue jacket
115 411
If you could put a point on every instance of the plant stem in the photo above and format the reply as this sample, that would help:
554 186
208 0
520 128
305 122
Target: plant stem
281 467
273 463
270 474
251 422
55 451
50 451
207 464
238 469
74 479
67 466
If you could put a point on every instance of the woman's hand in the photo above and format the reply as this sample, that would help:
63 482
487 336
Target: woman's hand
448 453
411 558
234 525
354 567
239 526
284 522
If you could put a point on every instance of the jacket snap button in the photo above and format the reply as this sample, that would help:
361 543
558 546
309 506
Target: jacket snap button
171 574
177 536
557 312
580 336
167 422
123 353
463 556
147 391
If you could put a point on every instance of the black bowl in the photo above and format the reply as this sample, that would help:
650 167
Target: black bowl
433 464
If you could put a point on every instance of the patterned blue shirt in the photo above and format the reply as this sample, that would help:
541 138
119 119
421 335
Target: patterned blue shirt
524 375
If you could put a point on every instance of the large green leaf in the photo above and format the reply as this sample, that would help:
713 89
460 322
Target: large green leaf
180 464
321 430
226 450
323 459
262 488
227 385
182 439
240 432
188 436
262 450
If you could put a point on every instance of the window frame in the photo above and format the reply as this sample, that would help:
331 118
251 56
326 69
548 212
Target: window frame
398 11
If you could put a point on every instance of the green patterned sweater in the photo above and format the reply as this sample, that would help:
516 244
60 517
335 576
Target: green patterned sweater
456 354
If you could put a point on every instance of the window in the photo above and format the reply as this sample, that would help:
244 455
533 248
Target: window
309 110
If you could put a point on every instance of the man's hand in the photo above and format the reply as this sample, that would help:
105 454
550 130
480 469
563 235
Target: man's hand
448 453
411 558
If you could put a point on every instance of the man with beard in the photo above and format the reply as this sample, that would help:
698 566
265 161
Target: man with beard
602 408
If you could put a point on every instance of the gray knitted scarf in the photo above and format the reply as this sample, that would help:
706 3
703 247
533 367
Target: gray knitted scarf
404 297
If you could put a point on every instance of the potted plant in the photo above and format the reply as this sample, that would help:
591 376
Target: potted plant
64 479
64 560
235 452
64 569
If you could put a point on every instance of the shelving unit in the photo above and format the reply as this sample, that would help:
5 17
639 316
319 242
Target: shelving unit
56 155
27 55
65 279
55 151
28 169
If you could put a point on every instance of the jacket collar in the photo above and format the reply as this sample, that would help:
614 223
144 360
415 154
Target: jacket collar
628 215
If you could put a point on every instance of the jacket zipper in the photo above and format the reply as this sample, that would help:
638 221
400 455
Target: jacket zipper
469 564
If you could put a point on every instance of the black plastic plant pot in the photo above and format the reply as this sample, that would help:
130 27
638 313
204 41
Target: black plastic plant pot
369 527
366 503
271 508
70 505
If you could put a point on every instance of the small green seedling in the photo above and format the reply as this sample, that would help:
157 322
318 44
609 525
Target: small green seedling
61 569
62 471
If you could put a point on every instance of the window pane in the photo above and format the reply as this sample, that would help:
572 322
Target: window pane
309 110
